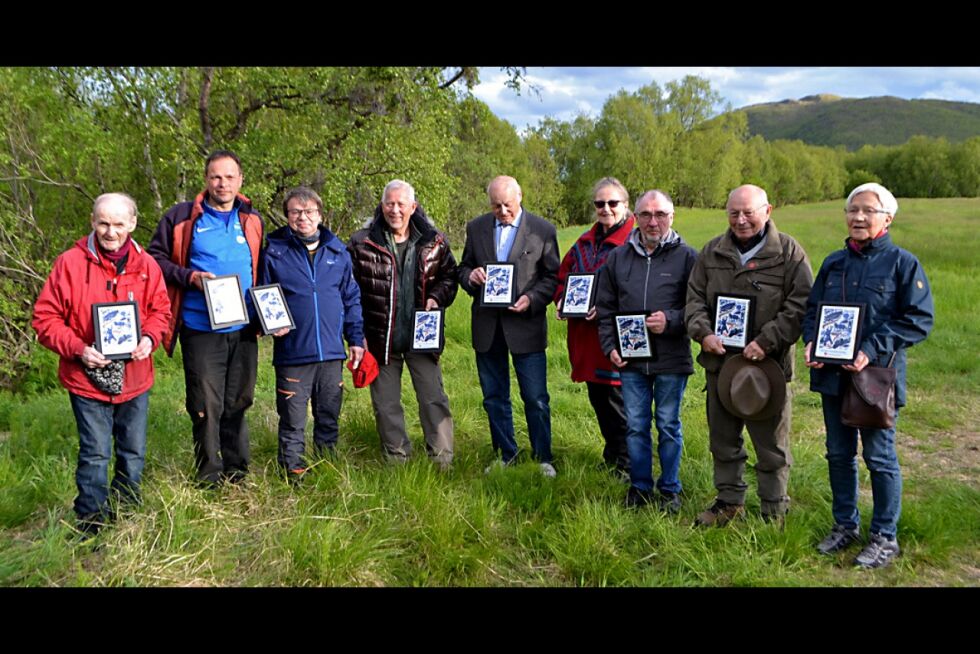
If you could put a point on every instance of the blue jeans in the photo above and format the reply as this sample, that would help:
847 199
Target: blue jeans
882 461
532 377
99 425
667 391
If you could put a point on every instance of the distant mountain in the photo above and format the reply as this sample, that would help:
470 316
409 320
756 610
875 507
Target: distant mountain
852 122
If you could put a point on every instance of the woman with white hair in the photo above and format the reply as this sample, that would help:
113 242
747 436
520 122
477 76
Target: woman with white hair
898 312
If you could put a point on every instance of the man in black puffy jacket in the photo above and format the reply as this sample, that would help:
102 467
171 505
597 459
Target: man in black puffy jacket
403 263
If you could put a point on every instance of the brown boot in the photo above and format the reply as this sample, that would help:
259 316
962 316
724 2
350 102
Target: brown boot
719 514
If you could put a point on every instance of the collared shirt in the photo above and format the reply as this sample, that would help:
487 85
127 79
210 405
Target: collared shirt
504 235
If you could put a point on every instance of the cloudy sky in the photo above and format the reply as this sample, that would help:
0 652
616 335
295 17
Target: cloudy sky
565 92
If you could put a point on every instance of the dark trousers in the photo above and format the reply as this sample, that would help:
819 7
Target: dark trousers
219 375
532 378
295 387
607 401
770 437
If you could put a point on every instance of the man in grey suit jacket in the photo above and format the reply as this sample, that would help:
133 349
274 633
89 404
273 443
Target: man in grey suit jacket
519 237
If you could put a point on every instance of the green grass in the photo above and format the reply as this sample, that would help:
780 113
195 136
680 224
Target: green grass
356 521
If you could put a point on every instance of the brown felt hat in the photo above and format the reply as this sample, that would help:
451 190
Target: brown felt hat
752 390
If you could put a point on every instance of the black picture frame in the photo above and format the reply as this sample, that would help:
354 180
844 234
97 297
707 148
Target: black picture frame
117 328
580 288
734 315
498 291
271 308
428 331
226 301
634 342
838 334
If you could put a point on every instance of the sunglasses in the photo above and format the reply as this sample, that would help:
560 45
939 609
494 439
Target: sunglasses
599 204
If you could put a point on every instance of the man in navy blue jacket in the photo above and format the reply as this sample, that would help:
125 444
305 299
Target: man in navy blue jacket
314 270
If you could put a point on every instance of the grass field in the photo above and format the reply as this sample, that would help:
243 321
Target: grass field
357 521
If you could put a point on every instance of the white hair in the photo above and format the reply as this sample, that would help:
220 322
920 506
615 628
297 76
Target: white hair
396 184
110 198
888 202
510 181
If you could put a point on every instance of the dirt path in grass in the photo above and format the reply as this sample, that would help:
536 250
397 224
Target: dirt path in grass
953 454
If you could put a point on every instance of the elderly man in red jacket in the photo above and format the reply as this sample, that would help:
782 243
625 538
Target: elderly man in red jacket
109 396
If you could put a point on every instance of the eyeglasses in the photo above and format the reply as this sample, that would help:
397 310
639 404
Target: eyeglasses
748 214
645 216
869 211
309 213
599 204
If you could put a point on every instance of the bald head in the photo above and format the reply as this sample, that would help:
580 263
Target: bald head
113 218
505 198
502 182
115 203
748 211
756 194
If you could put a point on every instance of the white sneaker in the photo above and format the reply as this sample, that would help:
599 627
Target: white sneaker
548 470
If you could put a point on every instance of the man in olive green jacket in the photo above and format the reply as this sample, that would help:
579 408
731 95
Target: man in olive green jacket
753 259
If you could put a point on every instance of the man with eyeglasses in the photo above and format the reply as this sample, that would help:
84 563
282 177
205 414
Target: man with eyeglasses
218 233
751 259
510 234
649 273
314 270
403 263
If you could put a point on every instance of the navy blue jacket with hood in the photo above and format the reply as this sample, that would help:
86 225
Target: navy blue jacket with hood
323 298
892 285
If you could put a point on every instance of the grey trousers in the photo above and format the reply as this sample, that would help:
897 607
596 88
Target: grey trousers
389 416
770 438
296 386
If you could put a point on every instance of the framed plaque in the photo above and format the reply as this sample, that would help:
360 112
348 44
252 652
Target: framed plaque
270 305
226 303
633 340
117 328
579 295
733 320
498 291
838 332
428 331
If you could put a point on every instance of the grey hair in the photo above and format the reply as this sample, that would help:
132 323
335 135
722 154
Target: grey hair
761 191
398 184
613 182
106 198
656 193
888 202
304 194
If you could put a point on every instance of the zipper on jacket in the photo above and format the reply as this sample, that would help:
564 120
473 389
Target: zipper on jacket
646 286
391 295
436 244
316 301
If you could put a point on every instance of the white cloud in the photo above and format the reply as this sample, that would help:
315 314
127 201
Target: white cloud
951 90
565 92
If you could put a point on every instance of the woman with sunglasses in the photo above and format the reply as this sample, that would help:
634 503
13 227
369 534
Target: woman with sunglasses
613 223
